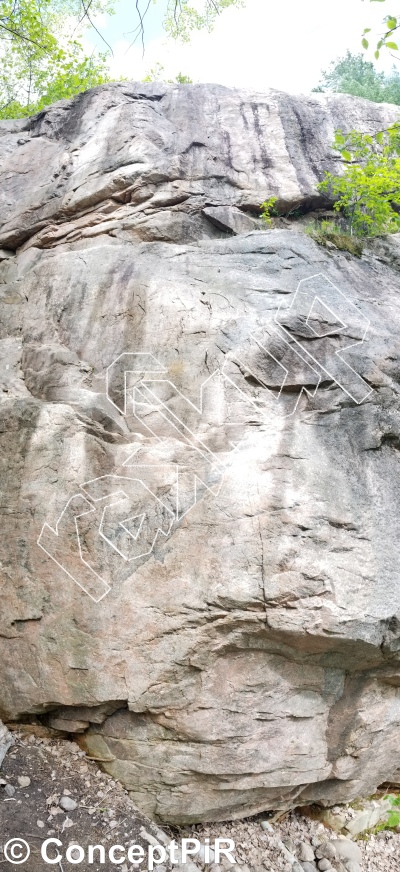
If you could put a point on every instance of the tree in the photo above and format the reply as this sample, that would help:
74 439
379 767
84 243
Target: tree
34 21
29 82
182 18
40 62
43 61
157 74
368 192
28 20
354 75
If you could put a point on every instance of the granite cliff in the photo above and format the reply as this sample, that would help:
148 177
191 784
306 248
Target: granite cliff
199 451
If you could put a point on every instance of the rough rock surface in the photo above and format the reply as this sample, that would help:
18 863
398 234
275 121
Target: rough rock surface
6 740
199 452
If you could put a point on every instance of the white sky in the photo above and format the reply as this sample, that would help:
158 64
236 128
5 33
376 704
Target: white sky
267 44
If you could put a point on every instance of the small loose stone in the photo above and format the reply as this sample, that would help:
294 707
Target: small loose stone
306 852
24 780
267 827
326 850
348 851
67 803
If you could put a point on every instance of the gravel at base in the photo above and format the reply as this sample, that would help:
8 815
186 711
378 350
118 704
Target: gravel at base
48 787
261 851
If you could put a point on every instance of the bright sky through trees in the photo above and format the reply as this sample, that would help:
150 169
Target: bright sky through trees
265 44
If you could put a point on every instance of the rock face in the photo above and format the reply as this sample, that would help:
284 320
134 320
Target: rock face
199 451
6 740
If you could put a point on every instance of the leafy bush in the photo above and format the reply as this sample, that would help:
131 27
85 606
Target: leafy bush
268 210
393 819
394 815
368 192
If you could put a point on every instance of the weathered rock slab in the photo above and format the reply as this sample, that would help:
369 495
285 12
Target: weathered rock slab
199 452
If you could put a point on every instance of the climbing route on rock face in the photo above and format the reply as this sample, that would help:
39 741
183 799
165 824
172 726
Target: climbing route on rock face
199 453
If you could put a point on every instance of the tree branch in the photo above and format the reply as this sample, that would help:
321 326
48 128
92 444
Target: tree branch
21 36
86 15
139 30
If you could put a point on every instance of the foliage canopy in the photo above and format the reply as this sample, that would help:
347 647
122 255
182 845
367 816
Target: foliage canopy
42 59
182 17
352 74
368 192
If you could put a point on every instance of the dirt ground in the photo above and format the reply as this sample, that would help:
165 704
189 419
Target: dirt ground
104 814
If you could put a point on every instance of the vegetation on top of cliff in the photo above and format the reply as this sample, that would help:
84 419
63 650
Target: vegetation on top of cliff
354 75
43 59
157 74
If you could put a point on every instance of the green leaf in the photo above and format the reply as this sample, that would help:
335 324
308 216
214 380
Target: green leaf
268 209
182 18
392 45
364 42
376 54
366 194
391 23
